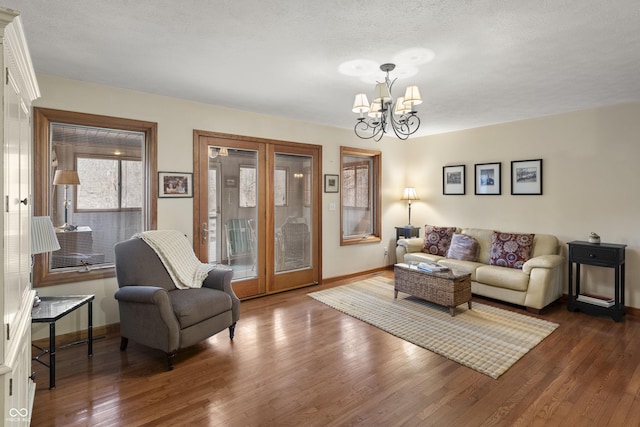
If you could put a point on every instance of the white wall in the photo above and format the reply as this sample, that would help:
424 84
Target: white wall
590 163
176 121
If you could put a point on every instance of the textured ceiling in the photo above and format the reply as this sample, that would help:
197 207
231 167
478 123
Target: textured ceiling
495 60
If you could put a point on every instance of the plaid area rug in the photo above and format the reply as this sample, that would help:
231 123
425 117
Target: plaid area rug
487 339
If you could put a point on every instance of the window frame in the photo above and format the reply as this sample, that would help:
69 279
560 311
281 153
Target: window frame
43 117
374 192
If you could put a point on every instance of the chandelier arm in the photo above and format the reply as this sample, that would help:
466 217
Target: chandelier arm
363 126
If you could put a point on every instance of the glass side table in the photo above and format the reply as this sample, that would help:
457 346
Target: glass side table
52 309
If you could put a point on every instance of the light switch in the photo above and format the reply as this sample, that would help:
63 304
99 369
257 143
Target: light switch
332 206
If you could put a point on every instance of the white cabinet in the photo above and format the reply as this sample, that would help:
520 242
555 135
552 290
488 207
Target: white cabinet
19 90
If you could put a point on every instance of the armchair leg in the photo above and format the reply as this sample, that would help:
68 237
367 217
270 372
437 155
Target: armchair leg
232 330
123 343
170 357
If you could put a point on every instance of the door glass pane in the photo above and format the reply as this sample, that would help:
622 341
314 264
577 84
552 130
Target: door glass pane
233 211
293 212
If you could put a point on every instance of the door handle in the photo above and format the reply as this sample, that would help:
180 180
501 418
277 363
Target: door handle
205 232
24 201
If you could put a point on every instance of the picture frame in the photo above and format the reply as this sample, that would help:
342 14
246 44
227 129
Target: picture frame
175 185
453 180
488 178
526 177
331 183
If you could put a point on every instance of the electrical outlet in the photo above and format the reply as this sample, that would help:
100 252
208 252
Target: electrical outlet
386 251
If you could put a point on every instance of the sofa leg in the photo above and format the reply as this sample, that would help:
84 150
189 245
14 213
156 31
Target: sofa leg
232 330
123 343
534 310
170 358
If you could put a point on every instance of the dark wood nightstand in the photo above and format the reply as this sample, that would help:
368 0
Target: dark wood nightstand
601 255
407 231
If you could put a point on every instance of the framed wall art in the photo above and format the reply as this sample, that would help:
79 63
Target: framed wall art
526 177
453 179
488 178
175 184
331 183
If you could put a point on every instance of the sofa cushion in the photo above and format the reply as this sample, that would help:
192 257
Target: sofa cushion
194 305
463 248
510 249
483 237
507 278
461 266
437 239
421 257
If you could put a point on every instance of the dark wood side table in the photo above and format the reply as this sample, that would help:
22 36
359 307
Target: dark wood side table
602 255
52 309
407 231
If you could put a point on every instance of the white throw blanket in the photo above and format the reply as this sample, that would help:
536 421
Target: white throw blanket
176 253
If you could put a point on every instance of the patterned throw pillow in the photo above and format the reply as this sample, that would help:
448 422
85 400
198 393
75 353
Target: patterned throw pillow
510 249
437 239
463 247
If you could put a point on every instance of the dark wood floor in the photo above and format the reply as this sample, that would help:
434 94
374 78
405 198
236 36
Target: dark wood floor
297 362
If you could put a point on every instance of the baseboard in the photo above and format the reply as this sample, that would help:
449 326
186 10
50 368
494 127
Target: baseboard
378 270
76 336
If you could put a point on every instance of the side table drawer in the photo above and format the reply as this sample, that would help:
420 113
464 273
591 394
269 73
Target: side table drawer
595 255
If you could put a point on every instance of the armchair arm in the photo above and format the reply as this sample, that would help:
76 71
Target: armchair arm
141 294
146 316
220 279
542 261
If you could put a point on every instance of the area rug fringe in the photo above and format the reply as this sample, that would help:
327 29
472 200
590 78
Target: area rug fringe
486 338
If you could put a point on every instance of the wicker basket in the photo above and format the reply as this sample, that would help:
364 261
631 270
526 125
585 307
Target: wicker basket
445 288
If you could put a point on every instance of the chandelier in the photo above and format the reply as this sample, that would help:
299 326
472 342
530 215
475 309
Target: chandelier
384 113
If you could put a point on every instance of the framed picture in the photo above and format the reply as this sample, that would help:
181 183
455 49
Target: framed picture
487 178
453 179
331 183
175 184
526 177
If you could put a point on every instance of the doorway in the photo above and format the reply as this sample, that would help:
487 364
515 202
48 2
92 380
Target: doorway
257 210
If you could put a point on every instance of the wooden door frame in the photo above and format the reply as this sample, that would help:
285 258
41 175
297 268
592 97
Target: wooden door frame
265 190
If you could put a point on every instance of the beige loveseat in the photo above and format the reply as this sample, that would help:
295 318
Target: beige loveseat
537 284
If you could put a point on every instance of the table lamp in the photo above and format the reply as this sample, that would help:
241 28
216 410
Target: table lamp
409 194
66 178
43 239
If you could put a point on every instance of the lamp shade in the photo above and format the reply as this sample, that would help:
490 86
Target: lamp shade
360 103
374 111
43 236
409 193
382 94
401 107
412 96
64 177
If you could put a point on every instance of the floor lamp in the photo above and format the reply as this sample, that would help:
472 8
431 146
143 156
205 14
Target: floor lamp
409 194
66 178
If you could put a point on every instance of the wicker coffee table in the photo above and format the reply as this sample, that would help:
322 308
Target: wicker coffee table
448 288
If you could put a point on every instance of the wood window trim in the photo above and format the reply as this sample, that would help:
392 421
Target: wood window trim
43 117
375 236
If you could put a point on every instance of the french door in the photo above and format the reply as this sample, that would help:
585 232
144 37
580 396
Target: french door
257 210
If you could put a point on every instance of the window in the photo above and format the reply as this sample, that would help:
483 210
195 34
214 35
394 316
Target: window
109 184
360 200
115 163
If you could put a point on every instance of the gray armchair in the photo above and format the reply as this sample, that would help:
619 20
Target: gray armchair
153 312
